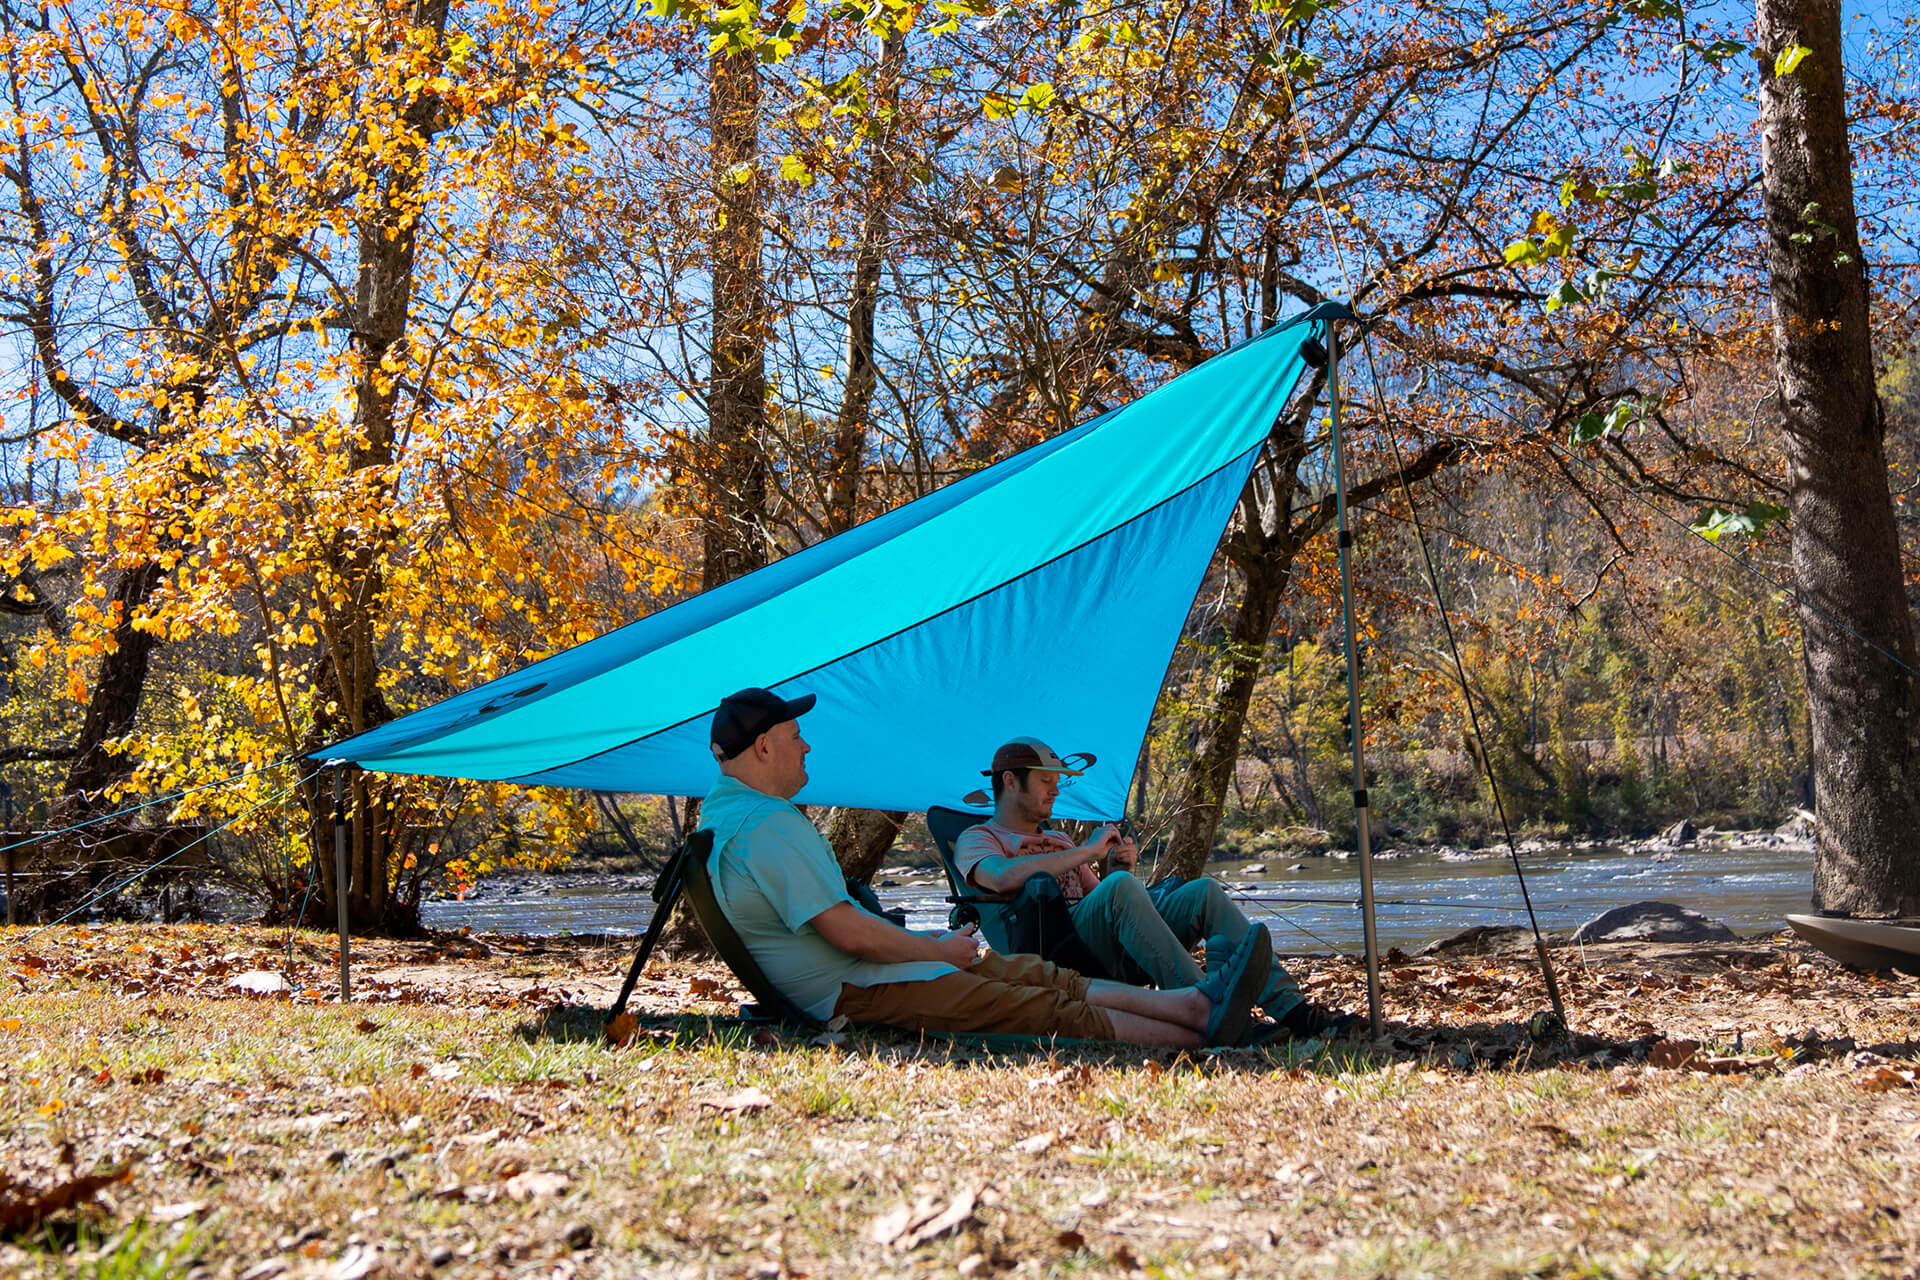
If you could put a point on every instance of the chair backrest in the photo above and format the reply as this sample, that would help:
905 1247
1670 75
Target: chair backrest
945 825
706 909
975 904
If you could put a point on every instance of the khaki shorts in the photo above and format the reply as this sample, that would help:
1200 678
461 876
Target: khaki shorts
1016 995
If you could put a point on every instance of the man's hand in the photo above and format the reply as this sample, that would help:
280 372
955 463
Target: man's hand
1123 856
960 948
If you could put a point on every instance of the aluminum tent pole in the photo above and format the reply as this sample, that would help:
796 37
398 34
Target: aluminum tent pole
1355 734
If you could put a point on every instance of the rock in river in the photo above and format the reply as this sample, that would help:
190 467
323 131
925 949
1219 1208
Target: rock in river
1653 922
1681 832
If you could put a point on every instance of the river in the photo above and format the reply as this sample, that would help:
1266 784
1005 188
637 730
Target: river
1420 897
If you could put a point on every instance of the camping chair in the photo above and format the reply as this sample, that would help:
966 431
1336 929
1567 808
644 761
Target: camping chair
688 872
946 825
991 911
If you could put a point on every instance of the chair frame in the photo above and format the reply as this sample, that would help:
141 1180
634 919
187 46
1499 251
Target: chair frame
689 871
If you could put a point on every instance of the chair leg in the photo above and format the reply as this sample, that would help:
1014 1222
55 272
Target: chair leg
666 895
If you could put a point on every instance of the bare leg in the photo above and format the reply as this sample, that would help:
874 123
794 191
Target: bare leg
1134 1029
1184 1007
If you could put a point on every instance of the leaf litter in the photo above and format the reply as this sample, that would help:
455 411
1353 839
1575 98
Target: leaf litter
1748 1109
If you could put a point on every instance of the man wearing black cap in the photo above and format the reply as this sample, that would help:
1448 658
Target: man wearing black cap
781 889
1129 928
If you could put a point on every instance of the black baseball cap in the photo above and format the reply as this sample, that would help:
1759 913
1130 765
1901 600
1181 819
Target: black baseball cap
744 716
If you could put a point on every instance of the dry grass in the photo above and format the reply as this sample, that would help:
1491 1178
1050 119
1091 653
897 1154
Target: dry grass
462 1117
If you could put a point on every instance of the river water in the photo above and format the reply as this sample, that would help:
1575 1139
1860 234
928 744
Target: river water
1419 898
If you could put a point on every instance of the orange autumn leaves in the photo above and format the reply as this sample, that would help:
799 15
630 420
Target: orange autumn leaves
203 371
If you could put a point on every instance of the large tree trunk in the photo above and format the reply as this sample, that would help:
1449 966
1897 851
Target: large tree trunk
734 541
1858 633
1263 544
349 674
861 837
856 394
1203 788
115 700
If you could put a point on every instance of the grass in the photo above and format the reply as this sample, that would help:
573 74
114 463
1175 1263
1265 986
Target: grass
465 1119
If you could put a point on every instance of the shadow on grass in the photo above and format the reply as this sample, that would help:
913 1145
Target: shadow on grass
1473 1047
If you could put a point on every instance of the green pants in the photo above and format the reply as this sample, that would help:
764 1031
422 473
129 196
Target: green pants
1130 932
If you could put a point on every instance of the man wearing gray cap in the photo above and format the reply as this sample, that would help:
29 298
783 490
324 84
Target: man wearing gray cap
777 882
1127 927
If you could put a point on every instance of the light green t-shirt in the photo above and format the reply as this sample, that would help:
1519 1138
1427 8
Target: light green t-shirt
772 874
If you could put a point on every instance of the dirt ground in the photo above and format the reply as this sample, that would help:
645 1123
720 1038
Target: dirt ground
1741 1109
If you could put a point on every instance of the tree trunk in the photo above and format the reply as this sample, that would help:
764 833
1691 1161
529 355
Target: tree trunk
1858 633
349 674
1203 787
116 692
856 394
734 541
861 839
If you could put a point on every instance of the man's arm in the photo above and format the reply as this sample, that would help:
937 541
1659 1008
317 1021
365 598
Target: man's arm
866 936
1002 874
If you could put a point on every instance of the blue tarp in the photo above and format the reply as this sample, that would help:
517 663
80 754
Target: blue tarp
1042 596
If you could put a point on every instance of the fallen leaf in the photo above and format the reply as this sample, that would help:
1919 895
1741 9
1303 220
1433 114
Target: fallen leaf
1672 1054
891 1225
537 1184
366 1025
177 1212
1070 1240
10 1024
358 1261
1884 1079
22 1208
956 1213
1036 1144
748 1099
910 1226
620 1030
444 1070
703 987
1078 1074
475 1139
318 1121
152 1075
261 982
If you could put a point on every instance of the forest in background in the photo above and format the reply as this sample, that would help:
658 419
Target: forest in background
368 351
